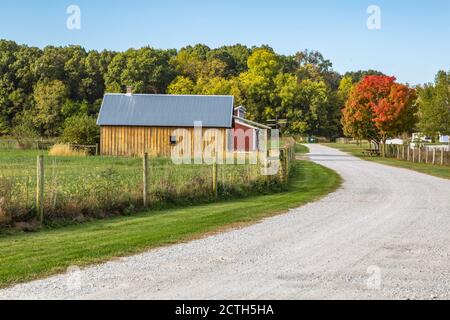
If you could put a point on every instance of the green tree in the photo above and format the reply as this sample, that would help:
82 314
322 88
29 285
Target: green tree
181 85
24 131
147 70
345 87
196 62
214 86
254 88
234 58
80 129
434 106
49 98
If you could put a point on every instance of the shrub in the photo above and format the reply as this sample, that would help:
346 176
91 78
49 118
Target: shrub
81 129
25 134
65 150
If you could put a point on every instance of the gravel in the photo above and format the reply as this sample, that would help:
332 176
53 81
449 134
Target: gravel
384 234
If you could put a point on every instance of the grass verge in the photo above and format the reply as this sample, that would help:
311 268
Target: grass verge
301 149
430 169
25 257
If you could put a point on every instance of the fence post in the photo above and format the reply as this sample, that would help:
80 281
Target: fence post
442 156
434 155
96 149
214 176
145 179
283 165
40 188
426 155
420 155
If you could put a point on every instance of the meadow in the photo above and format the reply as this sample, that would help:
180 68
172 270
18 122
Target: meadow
78 188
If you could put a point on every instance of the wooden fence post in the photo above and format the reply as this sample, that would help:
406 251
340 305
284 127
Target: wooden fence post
434 155
420 155
96 149
145 179
426 155
214 176
283 165
442 156
40 188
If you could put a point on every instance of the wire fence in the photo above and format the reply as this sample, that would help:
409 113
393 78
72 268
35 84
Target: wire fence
26 144
96 187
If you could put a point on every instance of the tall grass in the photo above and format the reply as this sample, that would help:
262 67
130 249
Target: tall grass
65 150
79 187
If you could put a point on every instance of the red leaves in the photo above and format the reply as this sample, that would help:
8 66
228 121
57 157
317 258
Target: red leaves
387 105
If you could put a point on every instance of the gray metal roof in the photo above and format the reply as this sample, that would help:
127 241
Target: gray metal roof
156 110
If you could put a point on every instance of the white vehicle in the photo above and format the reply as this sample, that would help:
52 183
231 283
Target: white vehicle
420 137
396 141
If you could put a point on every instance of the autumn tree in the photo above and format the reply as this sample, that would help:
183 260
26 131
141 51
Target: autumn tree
378 108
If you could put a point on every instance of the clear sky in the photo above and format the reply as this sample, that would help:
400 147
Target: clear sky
412 44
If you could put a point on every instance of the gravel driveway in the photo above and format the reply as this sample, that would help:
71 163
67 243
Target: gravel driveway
384 234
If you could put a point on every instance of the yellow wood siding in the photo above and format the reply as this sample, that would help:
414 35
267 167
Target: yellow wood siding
135 141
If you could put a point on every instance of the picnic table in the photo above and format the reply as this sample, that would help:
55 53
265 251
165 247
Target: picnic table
372 152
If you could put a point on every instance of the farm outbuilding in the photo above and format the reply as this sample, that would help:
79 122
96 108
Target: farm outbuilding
134 124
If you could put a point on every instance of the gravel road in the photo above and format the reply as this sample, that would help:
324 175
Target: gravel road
384 234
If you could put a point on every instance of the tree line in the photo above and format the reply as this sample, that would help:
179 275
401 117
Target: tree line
58 91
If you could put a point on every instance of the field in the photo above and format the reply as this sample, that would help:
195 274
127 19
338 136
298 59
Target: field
77 188
29 256
434 170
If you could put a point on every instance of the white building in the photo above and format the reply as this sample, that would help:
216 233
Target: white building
444 139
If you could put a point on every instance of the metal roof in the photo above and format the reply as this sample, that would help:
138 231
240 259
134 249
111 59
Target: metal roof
157 110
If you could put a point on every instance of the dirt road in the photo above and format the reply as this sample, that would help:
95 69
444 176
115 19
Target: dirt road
384 234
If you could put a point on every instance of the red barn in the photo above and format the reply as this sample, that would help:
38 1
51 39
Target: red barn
245 133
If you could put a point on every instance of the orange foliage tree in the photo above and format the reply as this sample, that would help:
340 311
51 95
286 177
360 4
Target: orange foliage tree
378 108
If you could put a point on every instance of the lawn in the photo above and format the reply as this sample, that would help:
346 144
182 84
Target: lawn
25 257
301 148
434 170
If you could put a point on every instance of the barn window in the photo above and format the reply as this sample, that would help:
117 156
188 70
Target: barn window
173 140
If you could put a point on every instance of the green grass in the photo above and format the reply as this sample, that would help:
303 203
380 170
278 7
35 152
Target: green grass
433 170
301 149
25 257
98 186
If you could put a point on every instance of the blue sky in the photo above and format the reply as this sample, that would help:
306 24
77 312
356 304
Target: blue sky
413 43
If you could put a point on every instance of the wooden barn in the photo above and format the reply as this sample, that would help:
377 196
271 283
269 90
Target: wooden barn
134 124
